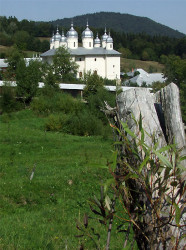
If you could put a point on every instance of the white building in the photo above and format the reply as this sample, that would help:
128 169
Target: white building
95 55
144 77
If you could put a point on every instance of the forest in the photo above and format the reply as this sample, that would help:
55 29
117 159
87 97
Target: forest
143 46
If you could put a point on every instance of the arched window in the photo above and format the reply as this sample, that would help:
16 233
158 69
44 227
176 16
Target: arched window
95 59
80 74
95 72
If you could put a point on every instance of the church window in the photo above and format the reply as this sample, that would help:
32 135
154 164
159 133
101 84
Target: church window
111 46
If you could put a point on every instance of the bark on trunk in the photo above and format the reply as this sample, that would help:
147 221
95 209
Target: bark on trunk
161 116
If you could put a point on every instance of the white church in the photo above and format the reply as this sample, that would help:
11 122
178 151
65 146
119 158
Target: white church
95 56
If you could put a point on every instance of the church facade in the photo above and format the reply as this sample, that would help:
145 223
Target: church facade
96 55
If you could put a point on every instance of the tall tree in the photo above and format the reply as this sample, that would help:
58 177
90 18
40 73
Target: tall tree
28 78
14 57
64 67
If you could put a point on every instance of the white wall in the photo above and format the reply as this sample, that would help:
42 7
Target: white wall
113 67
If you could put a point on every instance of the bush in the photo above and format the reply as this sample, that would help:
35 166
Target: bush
8 102
53 123
83 123
56 103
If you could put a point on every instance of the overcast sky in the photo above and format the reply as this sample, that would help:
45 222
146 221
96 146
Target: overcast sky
169 12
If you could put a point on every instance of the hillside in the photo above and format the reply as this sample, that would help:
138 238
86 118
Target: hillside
122 23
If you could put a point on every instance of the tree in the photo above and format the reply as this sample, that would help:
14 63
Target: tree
93 83
27 79
14 57
64 67
175 71
50 87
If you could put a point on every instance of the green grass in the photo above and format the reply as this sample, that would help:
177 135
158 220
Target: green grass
42 213
129 64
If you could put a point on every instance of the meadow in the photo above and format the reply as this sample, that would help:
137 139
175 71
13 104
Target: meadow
40 210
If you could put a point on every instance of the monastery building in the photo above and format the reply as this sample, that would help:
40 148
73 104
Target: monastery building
95 55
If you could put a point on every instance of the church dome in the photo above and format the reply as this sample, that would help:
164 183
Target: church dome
105 36
87 33
109 39
63 38
57 36
72 32
97 40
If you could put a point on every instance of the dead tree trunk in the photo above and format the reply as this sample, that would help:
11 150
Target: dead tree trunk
155 227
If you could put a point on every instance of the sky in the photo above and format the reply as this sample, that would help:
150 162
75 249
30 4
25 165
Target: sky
168 12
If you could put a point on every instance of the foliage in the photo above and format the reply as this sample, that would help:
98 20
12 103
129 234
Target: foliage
27 79
146 181
156 86
14 57
50 86
59 102
8 101
93 83
63 65
175 71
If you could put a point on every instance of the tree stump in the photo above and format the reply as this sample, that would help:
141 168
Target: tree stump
161 118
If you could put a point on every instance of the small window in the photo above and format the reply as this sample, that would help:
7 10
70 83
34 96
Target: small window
95 72
113 66
80 74
74 44
95 59
89 44
111 46
80 59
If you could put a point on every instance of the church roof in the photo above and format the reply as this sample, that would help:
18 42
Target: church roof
83 52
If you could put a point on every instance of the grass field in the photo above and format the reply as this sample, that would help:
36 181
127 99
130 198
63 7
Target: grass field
129 64
41 213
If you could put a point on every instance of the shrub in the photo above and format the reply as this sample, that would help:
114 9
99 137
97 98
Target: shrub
8 102
53 123
83 123
56 103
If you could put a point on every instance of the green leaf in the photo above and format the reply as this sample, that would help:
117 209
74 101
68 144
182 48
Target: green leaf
182 158
140 122
163 159
108 202
114 158
143 163
126 128
178 213
108 183
163 149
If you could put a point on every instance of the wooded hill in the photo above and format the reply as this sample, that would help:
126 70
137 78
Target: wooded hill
121 23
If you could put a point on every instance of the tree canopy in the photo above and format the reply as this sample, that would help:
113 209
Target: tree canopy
64 67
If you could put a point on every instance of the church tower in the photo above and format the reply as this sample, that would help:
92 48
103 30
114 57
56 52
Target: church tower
97 42
104 39
57 39
72 38
109 42
63 41
87 38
